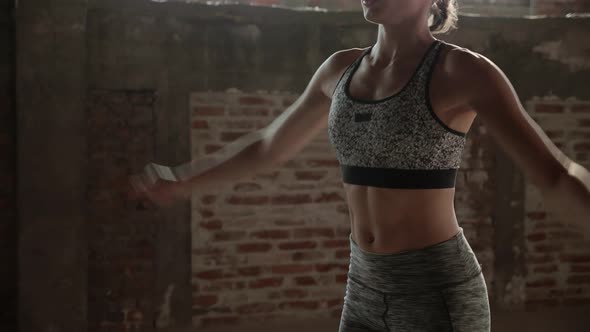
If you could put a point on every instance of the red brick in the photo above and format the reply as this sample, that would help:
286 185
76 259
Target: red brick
326 267
211 148
209 274
339 254
329 197
208 251
536 215
540 259
549 108
208 199
578 134
313 232
546 282
297 245
582 108
288 101
553 134
247 187
231 136
579 268
255 100
266 282
209 110
250 112
256 308
582 147
217 285
575 258
578 302
289 222
247 200
545 269
537 237
578 279
541 302
294 305
219 320
573 291
548 247
584 122
228 235
307 256
310 175
341 278
305 281
543 225
565 235
340 243
294 293
343 231
334 302
291 268
323 163
291 199
205 300
249 271
270 234
200 124
206 213
254 247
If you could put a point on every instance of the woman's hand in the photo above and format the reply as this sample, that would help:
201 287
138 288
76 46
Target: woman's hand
161 192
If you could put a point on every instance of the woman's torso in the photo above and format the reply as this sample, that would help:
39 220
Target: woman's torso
388 220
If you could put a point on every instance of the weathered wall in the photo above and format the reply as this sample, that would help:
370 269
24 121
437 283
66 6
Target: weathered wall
50 91
8 217
156 77
137 90
252 257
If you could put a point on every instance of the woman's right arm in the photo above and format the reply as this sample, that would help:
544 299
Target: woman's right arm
280 140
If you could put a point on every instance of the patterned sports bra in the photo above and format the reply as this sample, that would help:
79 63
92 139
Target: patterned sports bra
398 141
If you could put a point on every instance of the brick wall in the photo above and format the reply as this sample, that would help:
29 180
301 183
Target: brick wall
558 259
252 257
121 232
276 244
8 213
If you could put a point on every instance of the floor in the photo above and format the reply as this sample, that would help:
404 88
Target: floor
572 320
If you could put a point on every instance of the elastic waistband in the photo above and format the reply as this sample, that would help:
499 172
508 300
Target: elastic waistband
440 265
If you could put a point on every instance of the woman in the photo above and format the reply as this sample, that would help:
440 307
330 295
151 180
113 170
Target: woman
397 114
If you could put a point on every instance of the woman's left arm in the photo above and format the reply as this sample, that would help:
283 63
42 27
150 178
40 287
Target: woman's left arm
565 184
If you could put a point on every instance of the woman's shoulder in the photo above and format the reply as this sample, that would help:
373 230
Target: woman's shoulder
470 72
460 64
337 63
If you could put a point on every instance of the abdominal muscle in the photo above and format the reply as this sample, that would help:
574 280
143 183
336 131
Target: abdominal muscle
385 220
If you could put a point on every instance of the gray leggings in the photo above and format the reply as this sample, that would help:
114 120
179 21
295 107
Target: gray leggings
437 288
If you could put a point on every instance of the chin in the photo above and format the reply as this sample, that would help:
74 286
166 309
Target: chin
374 17
378 18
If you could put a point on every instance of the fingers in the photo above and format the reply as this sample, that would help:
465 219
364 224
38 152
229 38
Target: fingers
138 183
160 172
152 184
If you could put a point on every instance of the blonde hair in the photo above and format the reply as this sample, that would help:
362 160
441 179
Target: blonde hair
443 15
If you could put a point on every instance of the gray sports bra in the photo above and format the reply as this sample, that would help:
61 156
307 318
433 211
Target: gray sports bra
398 141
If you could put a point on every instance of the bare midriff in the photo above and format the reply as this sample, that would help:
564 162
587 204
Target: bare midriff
386 220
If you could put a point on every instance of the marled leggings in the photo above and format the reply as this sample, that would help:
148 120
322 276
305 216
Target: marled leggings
437 288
